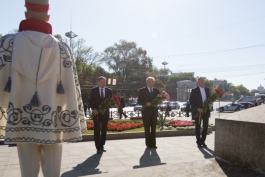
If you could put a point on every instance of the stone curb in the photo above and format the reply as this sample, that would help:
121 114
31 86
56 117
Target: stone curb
164 133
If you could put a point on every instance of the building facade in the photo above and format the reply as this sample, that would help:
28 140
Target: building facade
184 88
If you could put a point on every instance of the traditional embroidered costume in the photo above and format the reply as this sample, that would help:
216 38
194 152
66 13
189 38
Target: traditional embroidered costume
40 98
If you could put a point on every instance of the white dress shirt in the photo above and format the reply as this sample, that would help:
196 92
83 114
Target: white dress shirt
203 94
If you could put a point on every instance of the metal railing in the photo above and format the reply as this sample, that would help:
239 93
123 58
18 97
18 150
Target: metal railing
138 114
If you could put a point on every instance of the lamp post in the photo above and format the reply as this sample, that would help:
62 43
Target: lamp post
164 63
70 35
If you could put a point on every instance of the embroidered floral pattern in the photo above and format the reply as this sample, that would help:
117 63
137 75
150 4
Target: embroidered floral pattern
65 55
6 46
36 116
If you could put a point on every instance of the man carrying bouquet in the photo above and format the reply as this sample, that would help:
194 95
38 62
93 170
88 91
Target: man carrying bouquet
198 97
146 97
98 97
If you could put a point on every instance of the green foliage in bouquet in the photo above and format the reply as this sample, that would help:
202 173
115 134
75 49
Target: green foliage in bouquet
157 100
106 105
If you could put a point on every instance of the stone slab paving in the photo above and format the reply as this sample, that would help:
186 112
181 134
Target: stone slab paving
175 157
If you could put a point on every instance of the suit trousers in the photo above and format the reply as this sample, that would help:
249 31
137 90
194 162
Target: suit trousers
100 130
205 121
150 120
33 156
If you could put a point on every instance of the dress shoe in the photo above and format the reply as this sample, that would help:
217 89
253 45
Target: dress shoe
199 145
103 150
204 145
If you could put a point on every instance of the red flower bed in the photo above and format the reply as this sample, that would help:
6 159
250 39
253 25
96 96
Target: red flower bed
124 126
180 123
119 126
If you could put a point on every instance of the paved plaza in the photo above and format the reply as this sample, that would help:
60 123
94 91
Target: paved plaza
175 157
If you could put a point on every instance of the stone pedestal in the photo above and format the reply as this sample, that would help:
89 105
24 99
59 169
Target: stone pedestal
240 138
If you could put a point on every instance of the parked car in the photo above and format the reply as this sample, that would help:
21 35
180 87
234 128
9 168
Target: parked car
247 104
183 107
163 106
133 103
174 105
138 107
252 99
230 107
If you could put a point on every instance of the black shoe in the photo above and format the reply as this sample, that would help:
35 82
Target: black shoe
103 150
199 145
12 145
98 152
204 145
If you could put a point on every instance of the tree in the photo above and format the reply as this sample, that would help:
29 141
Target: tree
239 91
130 63
59 37
85 57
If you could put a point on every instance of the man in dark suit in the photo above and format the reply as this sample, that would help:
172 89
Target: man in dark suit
120 108
197 98
98 95
149 112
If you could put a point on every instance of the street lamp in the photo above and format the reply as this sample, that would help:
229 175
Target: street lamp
70 35
164 63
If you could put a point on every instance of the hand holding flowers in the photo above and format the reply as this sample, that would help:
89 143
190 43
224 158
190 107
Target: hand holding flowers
108 103
209 102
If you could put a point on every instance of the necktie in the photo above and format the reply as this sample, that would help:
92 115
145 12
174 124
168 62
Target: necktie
151 93
101 94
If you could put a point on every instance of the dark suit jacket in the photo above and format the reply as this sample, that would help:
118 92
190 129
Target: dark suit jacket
196 99
94 100
144 95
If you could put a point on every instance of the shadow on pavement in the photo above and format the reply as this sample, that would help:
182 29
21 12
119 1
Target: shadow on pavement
207 152
233 170
88 167
149 158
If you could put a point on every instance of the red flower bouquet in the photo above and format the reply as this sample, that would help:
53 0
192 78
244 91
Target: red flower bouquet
212 98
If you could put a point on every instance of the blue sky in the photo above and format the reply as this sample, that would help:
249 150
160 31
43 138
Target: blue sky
223 39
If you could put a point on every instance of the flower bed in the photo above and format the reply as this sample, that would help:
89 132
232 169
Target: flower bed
119 126
122 125
179 123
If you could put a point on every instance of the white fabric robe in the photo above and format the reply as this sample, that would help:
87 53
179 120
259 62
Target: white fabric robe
36 62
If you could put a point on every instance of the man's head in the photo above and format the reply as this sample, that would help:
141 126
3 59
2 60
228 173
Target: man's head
201 82
37 10
150 82
101 81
